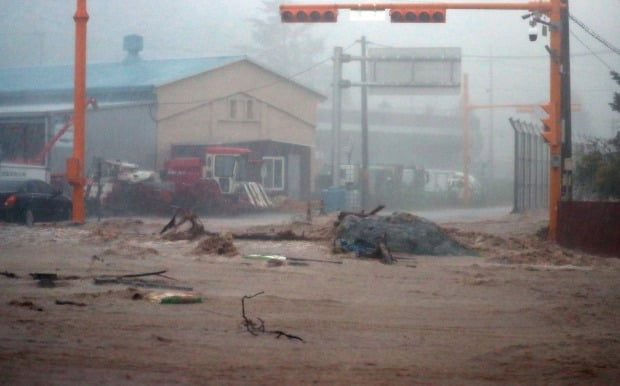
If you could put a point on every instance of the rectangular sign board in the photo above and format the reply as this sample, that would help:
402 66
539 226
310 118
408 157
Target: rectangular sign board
419 70
16 171
366 16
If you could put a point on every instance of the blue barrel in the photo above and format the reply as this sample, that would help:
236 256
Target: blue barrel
334 198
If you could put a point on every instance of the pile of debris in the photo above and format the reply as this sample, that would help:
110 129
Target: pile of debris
112 231
367 234
399 232
217 245
184 225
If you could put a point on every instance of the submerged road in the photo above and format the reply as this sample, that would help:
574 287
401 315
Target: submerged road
463 214
436 215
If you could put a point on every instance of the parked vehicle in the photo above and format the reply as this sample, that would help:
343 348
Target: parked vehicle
30 201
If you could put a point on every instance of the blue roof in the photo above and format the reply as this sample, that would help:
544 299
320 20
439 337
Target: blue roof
134 74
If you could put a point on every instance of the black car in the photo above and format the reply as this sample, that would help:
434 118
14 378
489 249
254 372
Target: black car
27 201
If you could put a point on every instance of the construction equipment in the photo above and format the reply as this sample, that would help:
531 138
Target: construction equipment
122 187
215 182
34 167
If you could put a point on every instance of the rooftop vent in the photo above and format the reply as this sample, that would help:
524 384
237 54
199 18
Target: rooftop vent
133 45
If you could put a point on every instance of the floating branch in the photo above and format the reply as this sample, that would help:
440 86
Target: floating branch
362 214
256 328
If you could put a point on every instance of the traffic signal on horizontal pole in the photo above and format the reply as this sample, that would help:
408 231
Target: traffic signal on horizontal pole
302 14
411 15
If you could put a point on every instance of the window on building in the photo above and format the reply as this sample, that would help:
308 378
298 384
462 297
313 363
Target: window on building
249 109
273 173
242 109
232 109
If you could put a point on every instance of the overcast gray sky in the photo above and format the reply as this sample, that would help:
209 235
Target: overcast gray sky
41 32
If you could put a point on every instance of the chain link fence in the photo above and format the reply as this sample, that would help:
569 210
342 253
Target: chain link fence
531 167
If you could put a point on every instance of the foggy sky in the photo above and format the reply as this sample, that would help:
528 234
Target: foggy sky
41 32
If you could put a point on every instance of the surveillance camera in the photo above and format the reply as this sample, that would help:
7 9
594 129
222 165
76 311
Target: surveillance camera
533 32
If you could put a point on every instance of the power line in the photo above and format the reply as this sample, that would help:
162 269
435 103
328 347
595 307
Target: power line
509 57
588 47
291 77
595 35
286 78
519 57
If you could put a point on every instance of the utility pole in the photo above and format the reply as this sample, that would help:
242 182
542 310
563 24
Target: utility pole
553 124
491 167
336 115
364 90
465 118
567 142
75 164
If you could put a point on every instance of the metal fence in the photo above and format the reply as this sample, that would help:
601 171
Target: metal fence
531 167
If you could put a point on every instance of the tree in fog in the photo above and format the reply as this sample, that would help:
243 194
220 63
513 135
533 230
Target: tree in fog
615 104
598 171
288 48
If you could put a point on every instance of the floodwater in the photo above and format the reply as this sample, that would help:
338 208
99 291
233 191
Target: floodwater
464 214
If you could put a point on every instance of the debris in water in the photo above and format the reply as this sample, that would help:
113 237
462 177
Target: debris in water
216 245
403 232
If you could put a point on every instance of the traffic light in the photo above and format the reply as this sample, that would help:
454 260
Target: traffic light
301 14
551 131
410 15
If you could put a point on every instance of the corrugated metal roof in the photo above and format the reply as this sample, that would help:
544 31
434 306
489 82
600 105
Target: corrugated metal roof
61 107
141 73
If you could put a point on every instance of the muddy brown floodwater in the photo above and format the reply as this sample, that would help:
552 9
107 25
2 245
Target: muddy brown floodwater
524 311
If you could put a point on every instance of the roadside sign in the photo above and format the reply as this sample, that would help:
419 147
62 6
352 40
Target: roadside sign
368 15
414 70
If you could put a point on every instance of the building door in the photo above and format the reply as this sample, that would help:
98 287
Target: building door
293 176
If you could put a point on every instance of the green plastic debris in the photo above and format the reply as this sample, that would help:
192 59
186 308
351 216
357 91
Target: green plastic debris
181 299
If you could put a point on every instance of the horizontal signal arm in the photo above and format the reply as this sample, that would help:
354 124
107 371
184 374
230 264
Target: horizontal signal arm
530 5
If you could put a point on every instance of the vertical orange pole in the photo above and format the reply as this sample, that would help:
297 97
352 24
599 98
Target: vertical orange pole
555 147
79 112
466 145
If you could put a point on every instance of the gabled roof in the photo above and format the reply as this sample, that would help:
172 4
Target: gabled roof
137 74
226 97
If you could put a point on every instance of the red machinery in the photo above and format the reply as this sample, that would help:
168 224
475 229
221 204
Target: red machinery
218 179
122 187
215 182
40 157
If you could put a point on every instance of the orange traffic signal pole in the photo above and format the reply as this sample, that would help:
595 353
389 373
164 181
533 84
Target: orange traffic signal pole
554 134
553 124
75 164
